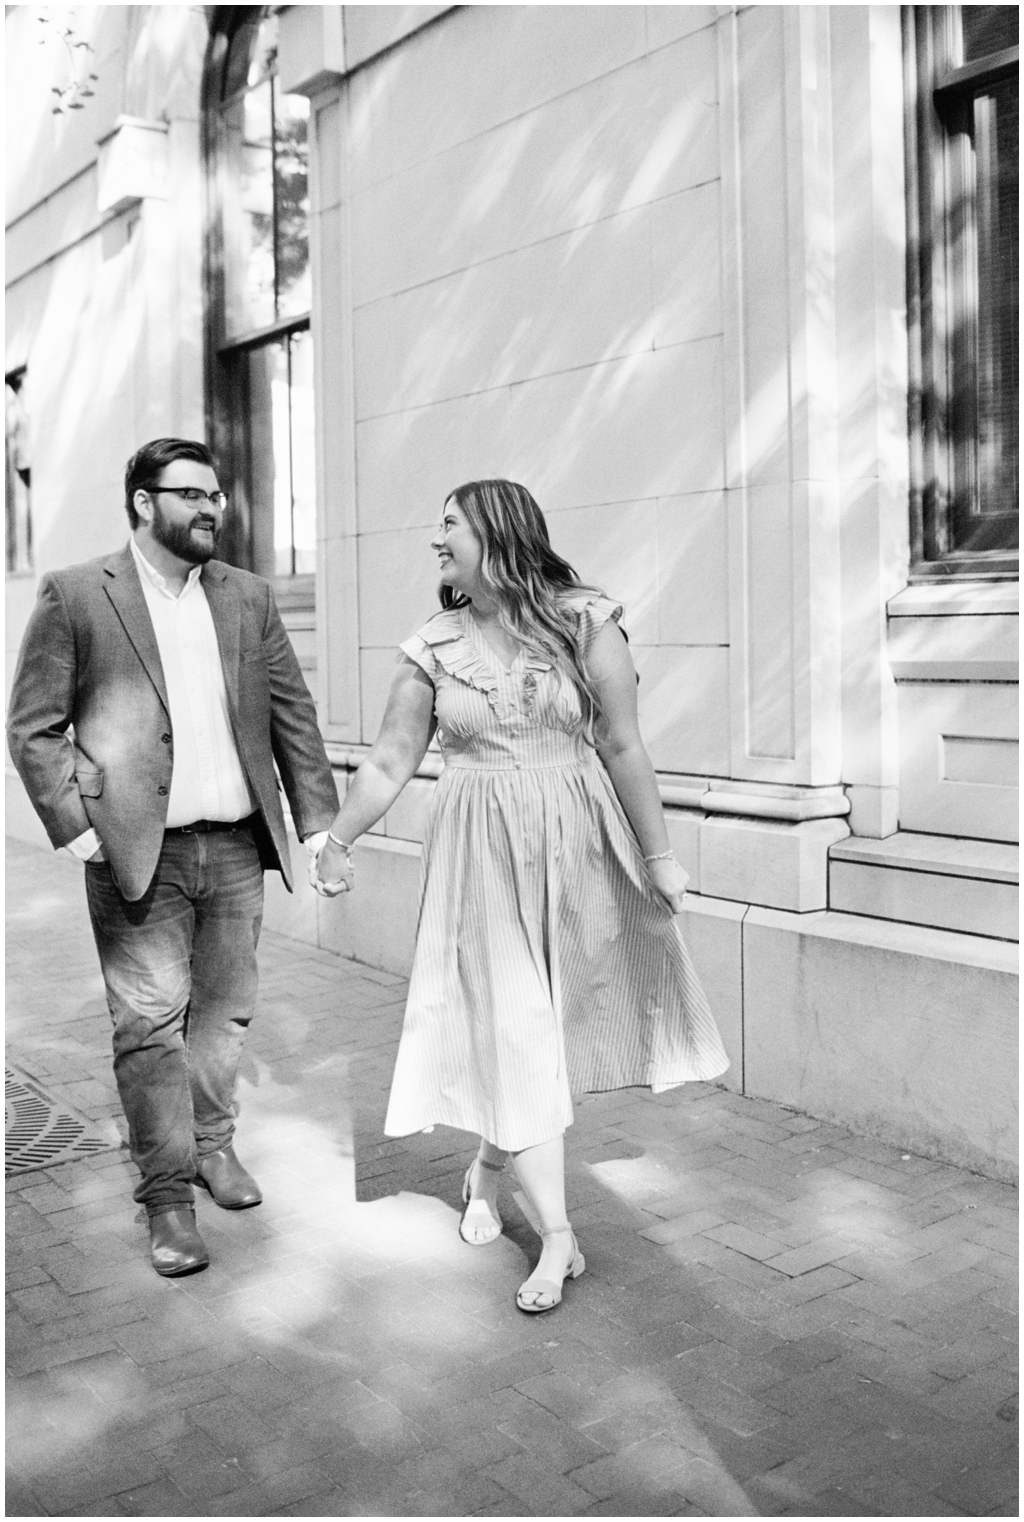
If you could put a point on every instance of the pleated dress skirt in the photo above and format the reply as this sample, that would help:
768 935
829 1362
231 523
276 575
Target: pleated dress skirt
545 964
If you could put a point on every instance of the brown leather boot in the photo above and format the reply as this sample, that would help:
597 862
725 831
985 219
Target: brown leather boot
175 1245
223 1175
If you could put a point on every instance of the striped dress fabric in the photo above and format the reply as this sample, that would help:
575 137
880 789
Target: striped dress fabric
545 962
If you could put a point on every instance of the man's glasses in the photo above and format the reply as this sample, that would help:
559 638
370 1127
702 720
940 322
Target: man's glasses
193 496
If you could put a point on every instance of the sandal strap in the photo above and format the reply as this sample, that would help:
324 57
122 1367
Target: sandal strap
544 1286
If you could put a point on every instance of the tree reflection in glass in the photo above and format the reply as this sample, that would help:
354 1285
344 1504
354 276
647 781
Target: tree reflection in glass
265 194
291 187
265 355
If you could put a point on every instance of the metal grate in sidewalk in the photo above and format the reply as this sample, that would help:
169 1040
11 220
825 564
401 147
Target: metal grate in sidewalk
40 1130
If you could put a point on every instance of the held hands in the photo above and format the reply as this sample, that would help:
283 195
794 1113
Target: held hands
669 880
331 872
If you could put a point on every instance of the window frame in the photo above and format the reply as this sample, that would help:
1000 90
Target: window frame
942 452
224 356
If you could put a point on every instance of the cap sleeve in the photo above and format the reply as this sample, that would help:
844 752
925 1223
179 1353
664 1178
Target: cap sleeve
594 610
417 649
442 632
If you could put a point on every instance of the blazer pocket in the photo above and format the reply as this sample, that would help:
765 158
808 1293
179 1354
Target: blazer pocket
90 781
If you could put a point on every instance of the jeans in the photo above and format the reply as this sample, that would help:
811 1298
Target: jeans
180 972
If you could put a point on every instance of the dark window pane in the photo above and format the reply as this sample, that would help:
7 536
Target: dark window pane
240 51
963 290
988 29
276 520
984 300
995 138
261 375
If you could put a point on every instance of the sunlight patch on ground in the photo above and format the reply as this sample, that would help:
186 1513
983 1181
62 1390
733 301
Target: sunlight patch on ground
635 1178
36 908
705 1480
51 1429
330 1248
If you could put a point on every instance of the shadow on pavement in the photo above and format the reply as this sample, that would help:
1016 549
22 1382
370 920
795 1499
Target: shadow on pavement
347 1354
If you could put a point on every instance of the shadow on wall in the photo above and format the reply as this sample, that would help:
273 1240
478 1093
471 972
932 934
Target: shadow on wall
558 319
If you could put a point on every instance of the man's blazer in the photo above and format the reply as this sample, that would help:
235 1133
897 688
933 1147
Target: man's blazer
89 725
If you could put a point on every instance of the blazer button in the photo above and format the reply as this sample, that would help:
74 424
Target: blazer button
162 791
165 739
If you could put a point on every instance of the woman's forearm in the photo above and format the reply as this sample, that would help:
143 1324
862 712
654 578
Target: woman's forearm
637 790
399 748
371 793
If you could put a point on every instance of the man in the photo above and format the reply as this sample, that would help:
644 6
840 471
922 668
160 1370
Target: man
155 690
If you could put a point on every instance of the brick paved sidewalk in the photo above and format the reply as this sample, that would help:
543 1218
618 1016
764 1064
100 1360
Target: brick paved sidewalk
777 1318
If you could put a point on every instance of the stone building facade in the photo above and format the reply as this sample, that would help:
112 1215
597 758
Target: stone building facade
687 273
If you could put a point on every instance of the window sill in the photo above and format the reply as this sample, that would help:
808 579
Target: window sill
965 633
949 600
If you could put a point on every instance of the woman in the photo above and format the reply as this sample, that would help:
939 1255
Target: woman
547 959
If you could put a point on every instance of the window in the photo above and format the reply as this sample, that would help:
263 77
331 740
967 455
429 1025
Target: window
962 95
19 476
259 344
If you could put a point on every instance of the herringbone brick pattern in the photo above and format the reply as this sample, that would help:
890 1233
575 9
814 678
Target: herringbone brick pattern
778 1318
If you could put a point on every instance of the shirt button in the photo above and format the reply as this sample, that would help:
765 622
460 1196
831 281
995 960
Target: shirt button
162 791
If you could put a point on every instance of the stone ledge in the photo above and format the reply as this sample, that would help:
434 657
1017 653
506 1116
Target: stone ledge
967 905
886 935
897 1030
714 795
951 856
954 648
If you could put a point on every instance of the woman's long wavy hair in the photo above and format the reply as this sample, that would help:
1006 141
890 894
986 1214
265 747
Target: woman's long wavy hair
528 580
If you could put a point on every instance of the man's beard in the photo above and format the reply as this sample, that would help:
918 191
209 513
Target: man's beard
177 537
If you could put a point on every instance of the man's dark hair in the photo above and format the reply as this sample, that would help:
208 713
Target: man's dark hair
143 469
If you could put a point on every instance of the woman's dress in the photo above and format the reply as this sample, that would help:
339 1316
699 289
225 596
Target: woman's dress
545 962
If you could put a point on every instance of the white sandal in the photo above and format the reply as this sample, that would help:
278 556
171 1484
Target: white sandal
478 1215
548 1286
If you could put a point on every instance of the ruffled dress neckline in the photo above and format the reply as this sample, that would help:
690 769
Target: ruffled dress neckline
476 633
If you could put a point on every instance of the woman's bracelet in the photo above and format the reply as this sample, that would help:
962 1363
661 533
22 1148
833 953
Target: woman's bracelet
661 856
340 843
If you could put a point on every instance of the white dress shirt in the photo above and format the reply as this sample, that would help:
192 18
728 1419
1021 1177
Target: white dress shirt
207 781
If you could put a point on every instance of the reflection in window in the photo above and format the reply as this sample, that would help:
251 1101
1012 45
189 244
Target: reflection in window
263 377
19 476
963 285
265 190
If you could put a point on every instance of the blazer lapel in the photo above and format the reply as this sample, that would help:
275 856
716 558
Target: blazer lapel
227 619
124 589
